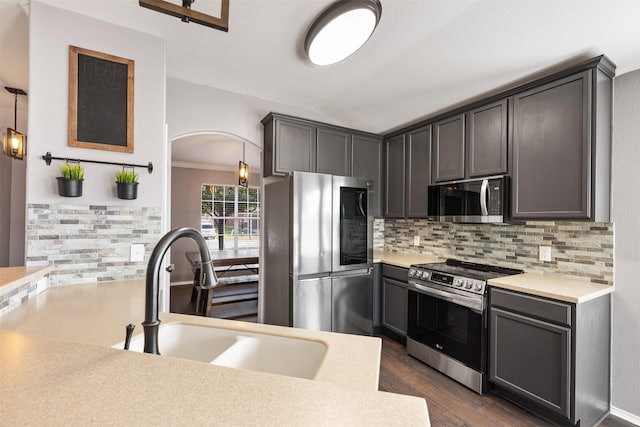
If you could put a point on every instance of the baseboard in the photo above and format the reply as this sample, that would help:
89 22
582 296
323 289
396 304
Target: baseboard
627 416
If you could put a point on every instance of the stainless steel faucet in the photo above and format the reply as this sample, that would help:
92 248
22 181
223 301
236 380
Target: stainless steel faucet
207 281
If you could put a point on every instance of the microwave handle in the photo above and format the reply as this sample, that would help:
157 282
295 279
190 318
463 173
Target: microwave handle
483 197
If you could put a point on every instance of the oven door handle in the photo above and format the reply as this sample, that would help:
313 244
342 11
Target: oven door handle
471 303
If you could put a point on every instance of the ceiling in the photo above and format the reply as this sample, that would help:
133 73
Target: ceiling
425 56
215 149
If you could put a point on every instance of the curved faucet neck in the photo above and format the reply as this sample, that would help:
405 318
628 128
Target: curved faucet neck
151 322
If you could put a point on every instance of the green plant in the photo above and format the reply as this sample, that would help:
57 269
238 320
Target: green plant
72 171
126 177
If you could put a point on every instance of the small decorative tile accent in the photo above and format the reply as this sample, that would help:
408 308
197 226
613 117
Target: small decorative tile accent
579 250
17 296
88 243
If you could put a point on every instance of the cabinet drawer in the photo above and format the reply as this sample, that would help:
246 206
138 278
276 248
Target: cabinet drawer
552 311
397 273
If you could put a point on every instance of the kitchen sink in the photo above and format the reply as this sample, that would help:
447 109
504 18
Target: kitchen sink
237 349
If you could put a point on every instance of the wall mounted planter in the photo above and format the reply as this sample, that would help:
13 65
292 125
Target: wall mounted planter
69 187
127 191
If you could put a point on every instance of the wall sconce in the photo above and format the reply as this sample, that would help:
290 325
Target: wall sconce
14 143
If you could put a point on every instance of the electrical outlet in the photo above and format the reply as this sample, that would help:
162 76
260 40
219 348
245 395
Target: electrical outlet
544 253
137 252
416 240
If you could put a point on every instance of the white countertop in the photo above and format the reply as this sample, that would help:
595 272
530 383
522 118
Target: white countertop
64 371
552 286
404 260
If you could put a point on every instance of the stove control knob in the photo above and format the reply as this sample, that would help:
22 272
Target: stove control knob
412 272
458 282
478 286
425 275
468 284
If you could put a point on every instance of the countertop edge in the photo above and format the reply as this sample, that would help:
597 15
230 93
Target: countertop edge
30 274
545 287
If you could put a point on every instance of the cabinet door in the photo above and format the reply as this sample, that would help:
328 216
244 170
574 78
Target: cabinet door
448 149
418 171
551 150
366 162
487 140
531 358
394 188
295 147
394 305
333 152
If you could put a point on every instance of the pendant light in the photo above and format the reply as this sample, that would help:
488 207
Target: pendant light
243 171
343 28
14 143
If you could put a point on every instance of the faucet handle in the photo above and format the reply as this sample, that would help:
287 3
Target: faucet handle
170 268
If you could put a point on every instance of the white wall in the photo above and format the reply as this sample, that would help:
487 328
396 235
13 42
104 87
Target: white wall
52 30
626 206
192 107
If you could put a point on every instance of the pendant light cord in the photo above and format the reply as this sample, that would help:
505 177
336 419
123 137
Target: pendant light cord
15 111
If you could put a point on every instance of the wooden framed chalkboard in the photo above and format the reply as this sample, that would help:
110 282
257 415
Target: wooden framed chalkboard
100 100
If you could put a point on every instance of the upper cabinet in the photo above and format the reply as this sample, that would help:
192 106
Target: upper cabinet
294 144
289 145
551 135
366 162
562 149
471 144
394 182
448 149
333 154
407 174
487 140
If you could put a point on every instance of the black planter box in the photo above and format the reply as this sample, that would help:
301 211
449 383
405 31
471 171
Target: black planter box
127 191
69 187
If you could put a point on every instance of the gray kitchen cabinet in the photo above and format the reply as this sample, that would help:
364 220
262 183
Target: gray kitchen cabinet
394 183
366 162
418 171
333 151
486 149
395 300
448 149
289 145
550 356
407 174
561 144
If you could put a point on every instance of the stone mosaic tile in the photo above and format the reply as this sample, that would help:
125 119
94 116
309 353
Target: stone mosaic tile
90 243
18 296
578 249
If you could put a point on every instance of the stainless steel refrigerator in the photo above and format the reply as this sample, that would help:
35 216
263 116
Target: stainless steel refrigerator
317 237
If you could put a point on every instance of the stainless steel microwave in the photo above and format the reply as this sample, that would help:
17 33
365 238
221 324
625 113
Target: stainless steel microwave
470 201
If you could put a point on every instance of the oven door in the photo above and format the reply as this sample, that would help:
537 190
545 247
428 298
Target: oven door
458 331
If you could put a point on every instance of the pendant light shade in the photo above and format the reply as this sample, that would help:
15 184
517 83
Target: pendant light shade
343 28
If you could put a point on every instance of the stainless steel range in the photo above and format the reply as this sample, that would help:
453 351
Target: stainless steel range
447 318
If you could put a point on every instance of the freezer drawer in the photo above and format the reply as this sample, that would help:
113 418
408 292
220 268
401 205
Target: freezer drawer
353 304
312 304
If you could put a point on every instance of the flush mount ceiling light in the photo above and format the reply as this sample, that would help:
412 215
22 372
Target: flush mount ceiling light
343 28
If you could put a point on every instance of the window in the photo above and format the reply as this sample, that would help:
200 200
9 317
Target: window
230 216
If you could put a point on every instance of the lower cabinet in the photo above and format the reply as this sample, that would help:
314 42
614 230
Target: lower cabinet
550 356
394 299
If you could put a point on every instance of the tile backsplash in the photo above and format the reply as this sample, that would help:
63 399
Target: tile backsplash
90 243
582 250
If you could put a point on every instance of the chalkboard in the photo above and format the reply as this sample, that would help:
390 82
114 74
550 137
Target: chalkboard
100 101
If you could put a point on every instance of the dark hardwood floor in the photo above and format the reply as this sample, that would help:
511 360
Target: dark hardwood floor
449 403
